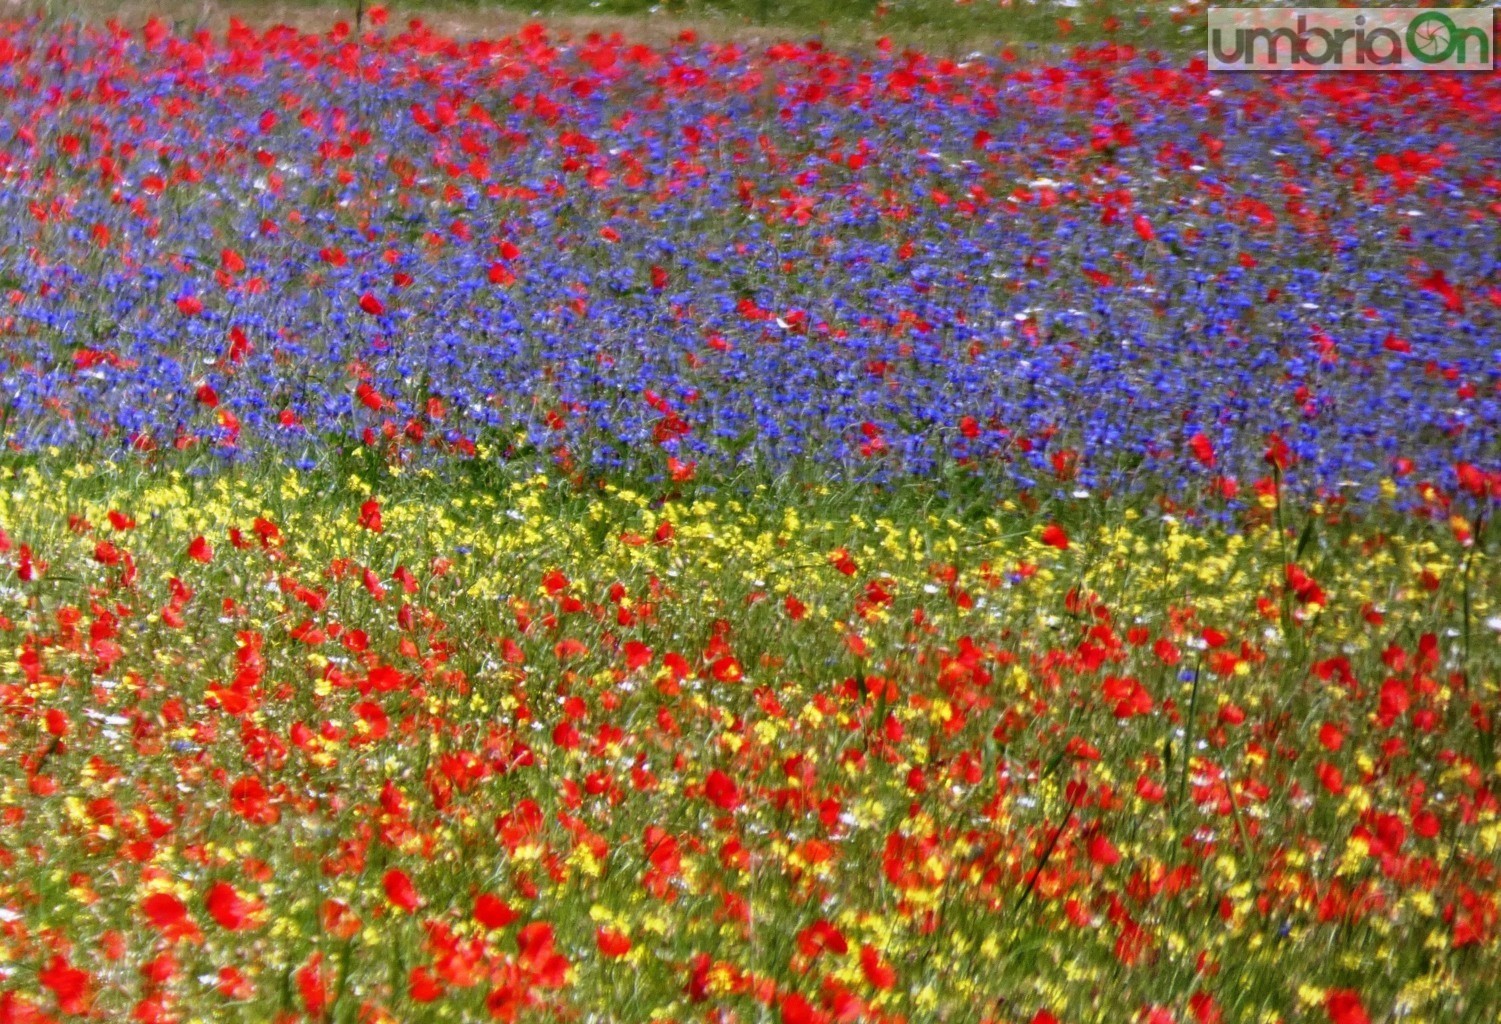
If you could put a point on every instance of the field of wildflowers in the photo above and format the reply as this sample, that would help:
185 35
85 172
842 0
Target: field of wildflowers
554 528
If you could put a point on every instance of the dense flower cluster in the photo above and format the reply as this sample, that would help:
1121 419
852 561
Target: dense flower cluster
1113 273
364 748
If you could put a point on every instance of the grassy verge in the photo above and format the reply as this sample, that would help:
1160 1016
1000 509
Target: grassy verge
939 25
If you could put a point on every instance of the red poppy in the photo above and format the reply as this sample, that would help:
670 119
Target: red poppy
1102 851
721 790
1344 1007
637 654
1203 450
370 517
422 986
1277 453
726 669
612 943
1330 777
797 1010
878 973
168 915
1331 737
492 911
400 890
312 985
69 984
374 718
231 910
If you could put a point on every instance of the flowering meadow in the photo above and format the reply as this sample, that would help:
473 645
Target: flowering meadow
554 528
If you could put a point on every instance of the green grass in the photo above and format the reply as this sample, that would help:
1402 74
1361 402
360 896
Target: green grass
979 22
944 27
939 26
